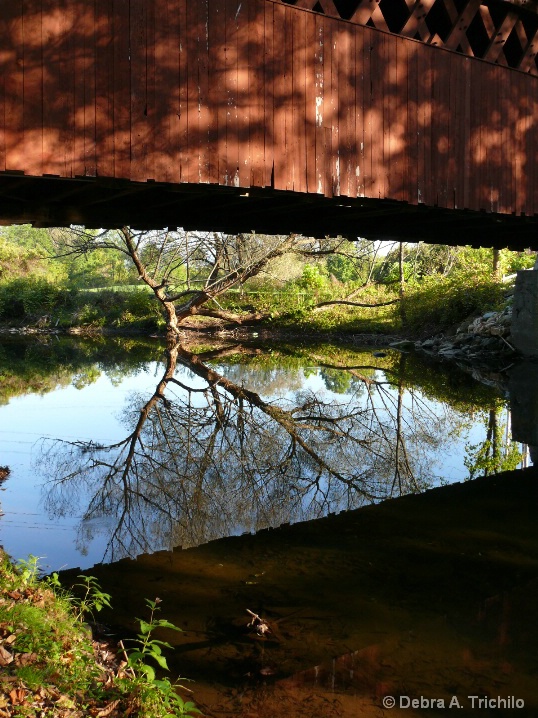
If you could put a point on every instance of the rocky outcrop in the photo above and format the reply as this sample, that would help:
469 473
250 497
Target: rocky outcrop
483 341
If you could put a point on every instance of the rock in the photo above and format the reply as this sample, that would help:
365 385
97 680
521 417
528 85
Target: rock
403 345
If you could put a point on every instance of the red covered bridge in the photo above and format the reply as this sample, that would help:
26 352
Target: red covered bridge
414 119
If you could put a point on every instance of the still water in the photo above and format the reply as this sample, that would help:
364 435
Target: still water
293 482
242 439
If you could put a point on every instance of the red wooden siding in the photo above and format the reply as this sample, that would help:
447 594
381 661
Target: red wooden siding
257 93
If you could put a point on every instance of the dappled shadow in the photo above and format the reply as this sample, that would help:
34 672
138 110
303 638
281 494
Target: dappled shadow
259 94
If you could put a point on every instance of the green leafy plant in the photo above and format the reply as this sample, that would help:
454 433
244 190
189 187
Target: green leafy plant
155 696
92 599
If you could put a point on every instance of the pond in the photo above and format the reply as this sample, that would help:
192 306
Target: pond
122 450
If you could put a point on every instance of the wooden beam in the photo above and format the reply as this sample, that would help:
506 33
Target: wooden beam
527 63
364 11
500 36
416 22
461 24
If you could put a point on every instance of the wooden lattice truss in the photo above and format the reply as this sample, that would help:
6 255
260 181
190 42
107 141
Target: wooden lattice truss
502 32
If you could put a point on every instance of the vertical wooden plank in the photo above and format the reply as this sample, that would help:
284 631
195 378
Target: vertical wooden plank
243 98
386 79
378 68
84 99
90 160
524 187
256 23
517 111
232 146
311 95
122 91
411 193
220 75
13 87
203 90
390 89
168 149
288 161
138 87
443 145
368 112
495 173
214 96
7 59
345 108
486 138
190 164
477 157
455 139
4 69
329 120
436 124
52 116
269 96
466 167
359 41
320 103
164 76
398 108
183 89
174 151
427 119
457 132
531 150
67 89
32 87
152 125
104 80
281 68
299 102
77 52
505 173
336 158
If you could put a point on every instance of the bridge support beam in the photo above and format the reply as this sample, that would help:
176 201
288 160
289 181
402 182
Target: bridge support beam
525 314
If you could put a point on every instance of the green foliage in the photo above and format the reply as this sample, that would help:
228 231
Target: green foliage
92 598
48 658
438 303
345 269
30 298
314 277
155 696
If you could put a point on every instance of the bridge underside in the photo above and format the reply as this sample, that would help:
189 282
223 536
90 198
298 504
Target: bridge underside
48 202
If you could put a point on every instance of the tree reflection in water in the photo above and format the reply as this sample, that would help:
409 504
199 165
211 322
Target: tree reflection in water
207 457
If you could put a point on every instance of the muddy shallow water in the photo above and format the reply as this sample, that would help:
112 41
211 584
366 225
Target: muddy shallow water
430 596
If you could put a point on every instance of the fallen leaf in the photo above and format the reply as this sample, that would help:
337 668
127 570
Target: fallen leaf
5 657
17 696
26 659
108 710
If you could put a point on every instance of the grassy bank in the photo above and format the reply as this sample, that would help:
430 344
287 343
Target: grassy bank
53 667
431 306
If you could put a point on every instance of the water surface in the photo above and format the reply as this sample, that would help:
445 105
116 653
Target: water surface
118 448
